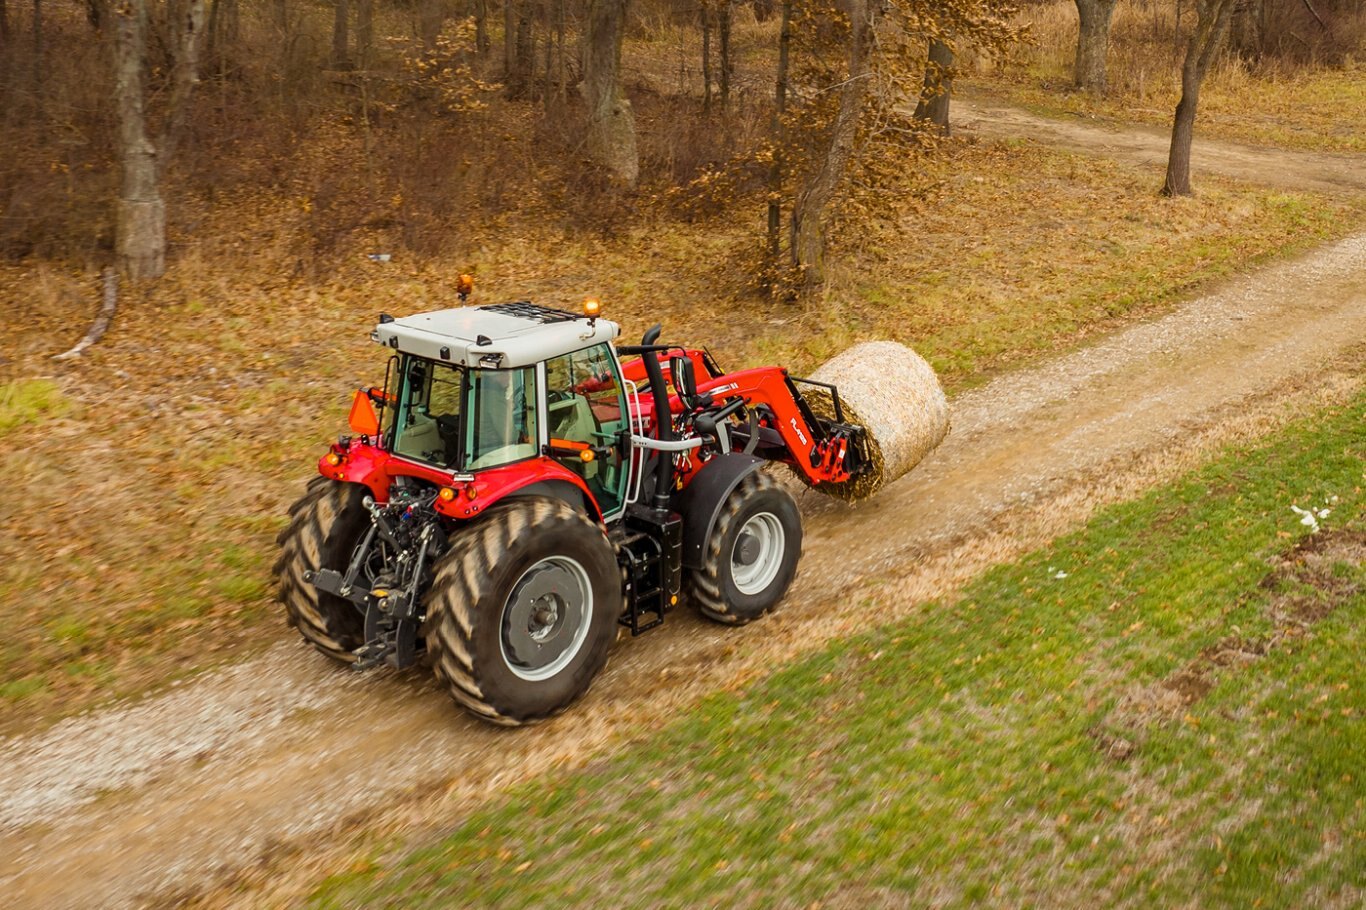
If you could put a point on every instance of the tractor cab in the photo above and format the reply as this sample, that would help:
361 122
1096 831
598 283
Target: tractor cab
475 389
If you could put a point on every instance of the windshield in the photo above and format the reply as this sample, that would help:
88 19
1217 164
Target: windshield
464 419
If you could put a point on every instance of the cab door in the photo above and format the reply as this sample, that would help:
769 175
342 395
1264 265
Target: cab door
586 407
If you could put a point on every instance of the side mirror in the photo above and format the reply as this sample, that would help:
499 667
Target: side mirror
685 381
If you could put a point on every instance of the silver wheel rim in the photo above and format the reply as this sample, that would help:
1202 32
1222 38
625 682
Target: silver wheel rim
757 556
545 619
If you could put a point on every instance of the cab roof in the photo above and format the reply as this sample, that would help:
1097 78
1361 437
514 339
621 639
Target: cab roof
501 336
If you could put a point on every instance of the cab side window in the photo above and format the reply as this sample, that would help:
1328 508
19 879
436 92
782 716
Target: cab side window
429 424
585 406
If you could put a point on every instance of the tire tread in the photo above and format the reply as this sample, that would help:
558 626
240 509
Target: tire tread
464 580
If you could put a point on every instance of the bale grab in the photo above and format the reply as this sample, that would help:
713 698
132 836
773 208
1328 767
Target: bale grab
894 394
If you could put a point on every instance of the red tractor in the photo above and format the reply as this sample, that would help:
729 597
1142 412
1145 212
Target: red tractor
519 489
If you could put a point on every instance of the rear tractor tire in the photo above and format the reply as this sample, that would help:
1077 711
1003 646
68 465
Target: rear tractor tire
752 555
522 611
325 525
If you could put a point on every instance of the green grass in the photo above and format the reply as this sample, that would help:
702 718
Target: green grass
29 401
1020 746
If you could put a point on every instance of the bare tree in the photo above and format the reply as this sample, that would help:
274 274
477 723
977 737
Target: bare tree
1212 18
933 106
716 19
341 40
611 139
1093 43
1247 31
519 46
808 215
140 242
37 42
481 27
509 38
431 16
705 12
365 33
723 30
222 29
775 168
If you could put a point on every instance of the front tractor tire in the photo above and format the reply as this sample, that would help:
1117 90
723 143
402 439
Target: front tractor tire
325 525
751 556
522 610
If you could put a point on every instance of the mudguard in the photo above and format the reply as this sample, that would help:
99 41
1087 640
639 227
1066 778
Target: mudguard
700 502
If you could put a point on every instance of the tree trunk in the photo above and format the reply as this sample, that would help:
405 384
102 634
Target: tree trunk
1212 17
214 29
775 169
808 215
509 41
705 12
281 10
1093 43
481 27
723 33
365 33
561 66
431 16
140 242
548 57
4 22
526 52
37 43
187 29
140 235
933 106
341 41
611 137
1246 31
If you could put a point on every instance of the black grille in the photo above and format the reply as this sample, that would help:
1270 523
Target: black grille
525 309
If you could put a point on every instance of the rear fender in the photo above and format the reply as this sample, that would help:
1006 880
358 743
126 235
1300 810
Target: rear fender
363 464
701 500
539 476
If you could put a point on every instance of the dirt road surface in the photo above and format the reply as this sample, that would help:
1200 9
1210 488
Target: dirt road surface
1295 170
283 754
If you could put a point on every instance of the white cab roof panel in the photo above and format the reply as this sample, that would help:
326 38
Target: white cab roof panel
517 334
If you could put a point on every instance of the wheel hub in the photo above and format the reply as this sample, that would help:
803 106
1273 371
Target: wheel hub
757 555
544 620
747 549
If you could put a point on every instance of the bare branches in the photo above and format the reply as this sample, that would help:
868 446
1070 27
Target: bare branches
1315 13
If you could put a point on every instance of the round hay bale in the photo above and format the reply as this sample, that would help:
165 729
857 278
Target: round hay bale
893 393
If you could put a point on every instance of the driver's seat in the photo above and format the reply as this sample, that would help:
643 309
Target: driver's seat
572 419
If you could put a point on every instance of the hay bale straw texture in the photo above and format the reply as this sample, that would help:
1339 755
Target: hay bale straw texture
893 393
